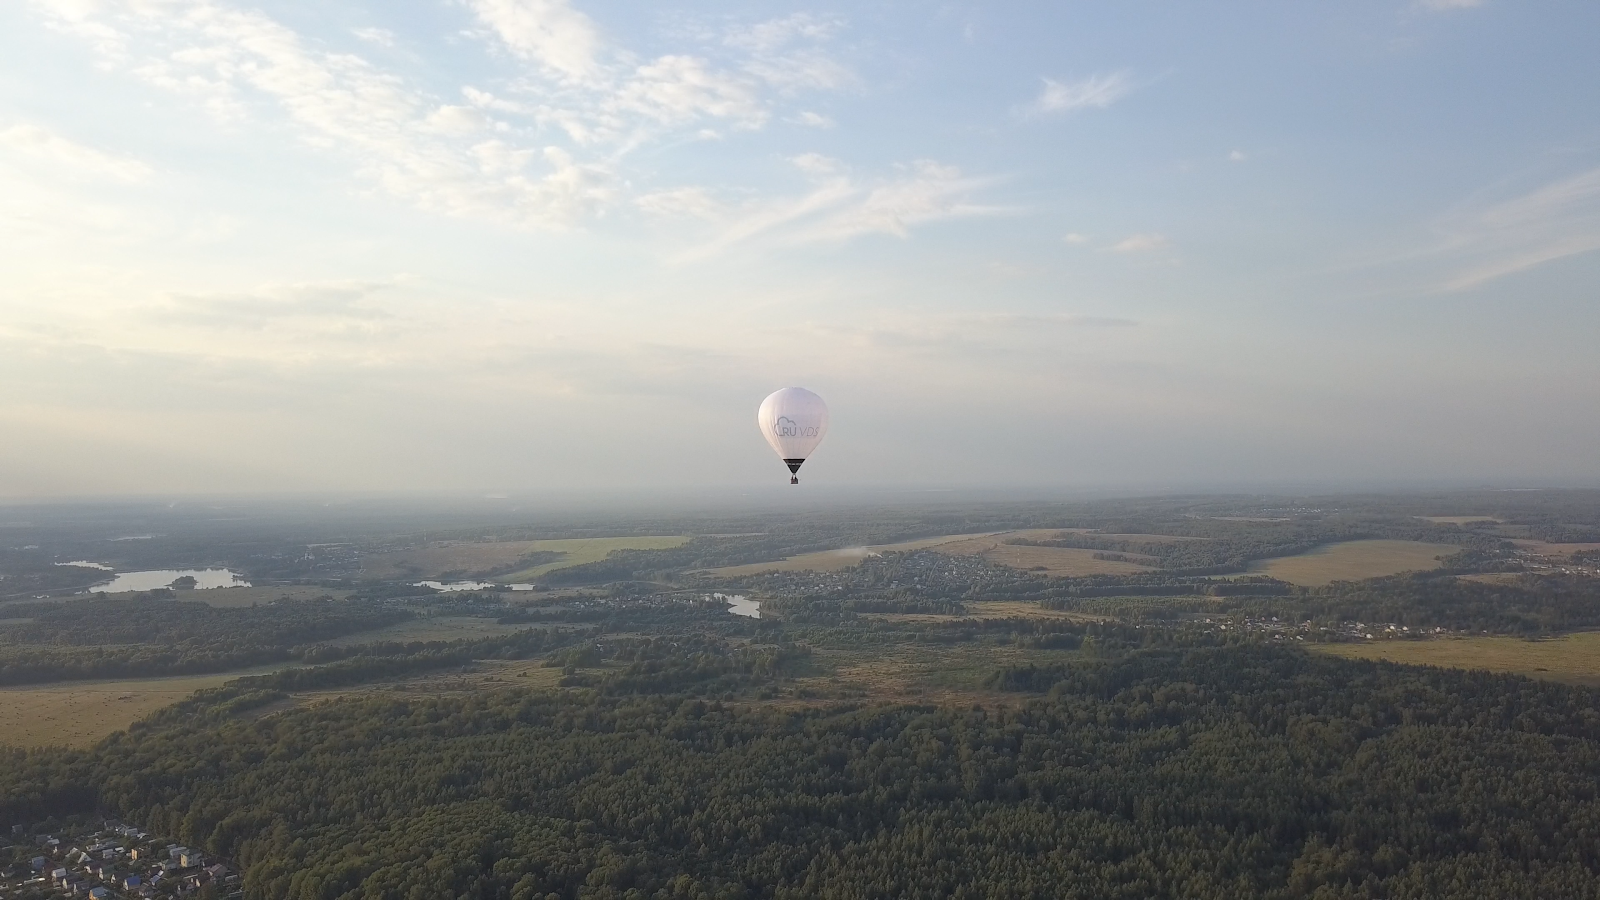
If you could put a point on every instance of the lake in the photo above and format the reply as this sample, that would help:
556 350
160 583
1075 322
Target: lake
739 605
205 579
447 587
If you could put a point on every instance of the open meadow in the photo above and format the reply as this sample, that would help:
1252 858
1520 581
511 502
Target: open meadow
431 628
1573 658
992 546
499 559
79 713
1352 561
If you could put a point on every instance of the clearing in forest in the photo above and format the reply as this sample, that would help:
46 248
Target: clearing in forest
79 713
990 545
834 560
481 559
431 628
1572 658
1353 561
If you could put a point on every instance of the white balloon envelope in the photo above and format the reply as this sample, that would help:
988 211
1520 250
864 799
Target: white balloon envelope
793 421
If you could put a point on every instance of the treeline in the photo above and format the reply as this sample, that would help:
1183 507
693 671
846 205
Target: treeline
1230 772
144 635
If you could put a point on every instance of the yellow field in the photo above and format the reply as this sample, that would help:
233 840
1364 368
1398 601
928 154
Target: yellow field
79 713
1573 658
476 558
435 628
1353 560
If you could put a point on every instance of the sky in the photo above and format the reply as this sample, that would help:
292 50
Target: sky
541 245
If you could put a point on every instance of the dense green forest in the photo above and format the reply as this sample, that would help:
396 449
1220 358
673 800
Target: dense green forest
1196 772
148 635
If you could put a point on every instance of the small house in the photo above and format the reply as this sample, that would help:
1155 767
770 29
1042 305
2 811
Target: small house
191 858
131 881
99 893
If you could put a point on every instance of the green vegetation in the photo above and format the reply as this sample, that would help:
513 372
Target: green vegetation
984 717
144 635
1227 772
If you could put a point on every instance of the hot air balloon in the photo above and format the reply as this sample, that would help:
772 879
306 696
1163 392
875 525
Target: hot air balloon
794 421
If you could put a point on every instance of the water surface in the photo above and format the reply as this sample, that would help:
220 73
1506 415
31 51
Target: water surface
205 579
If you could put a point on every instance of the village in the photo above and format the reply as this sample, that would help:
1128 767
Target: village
109 860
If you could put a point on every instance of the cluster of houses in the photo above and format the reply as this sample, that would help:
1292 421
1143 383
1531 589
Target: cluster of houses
120 861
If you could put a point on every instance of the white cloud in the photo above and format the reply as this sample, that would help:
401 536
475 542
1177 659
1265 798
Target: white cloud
1094 92
383 37
237 61
1553 222
1237 156
1140 243
41 145
1447 5
775 34
1074 237
690 202
814 120
840 207
676 89
545 147
549 32
330 306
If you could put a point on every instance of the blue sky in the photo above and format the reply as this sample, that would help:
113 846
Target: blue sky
534 244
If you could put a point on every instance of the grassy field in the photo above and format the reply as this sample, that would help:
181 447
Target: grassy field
834 560
1573 658
1458 520
990 545
992 609
476 559
434 628
1353 560
251 596
79 713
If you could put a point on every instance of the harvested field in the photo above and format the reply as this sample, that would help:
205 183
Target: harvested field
1353 560
499 559
79 713
1572 658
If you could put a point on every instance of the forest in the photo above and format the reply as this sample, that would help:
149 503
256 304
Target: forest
918 724
1208 772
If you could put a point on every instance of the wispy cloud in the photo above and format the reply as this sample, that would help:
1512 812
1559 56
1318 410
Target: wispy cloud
41 145
546 147
550 33
1140 243
1556 221
336 305
1094 92
1447 5
840 206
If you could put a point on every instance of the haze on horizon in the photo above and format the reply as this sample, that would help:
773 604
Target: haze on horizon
545 245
